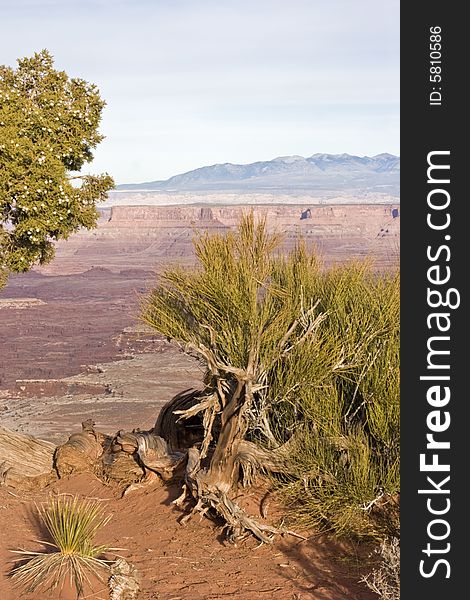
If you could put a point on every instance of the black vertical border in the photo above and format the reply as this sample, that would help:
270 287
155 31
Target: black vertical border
424 129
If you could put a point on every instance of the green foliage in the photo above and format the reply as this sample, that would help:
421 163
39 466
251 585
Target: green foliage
72 525
322 346
218 307
345 453
48 129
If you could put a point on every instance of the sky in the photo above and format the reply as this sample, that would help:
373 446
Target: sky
190 83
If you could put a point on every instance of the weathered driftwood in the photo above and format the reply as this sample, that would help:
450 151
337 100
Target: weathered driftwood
119 467
81 451
25 462
153 452
124 582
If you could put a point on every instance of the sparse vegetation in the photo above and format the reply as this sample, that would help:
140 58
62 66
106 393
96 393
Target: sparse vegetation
72 525
385 579
301 361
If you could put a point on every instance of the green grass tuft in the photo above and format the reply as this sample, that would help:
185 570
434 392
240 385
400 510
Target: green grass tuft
72 525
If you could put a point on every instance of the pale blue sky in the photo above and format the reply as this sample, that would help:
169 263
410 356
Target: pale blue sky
196 82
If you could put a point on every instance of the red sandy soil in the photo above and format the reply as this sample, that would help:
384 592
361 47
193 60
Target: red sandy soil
191 562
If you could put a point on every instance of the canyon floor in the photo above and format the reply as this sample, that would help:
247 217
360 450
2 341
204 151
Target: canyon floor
72 347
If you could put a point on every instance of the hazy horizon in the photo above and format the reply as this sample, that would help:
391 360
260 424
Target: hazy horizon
189 84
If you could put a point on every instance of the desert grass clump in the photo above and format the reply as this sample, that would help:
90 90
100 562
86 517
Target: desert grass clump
385 579
72 525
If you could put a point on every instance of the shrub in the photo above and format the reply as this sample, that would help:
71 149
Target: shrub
305 360
345 454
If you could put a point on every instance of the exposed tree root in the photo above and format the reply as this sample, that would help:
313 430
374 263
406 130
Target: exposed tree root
253 459
140 458
181 434
238 524
152 451
119 467
25 462
149 479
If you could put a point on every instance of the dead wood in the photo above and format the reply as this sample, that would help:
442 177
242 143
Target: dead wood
180 434
81 451
25 462
211 471
153 452
209 495
150 478
124 582
120 467
222 457
252 460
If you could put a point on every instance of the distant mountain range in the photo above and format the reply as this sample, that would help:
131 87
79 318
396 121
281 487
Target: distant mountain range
287 174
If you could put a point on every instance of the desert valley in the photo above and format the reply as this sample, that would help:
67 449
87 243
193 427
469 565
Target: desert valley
83 301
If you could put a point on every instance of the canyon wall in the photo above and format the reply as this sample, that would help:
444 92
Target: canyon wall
149 237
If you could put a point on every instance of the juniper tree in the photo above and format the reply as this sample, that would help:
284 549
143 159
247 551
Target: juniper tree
300 376
48 130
